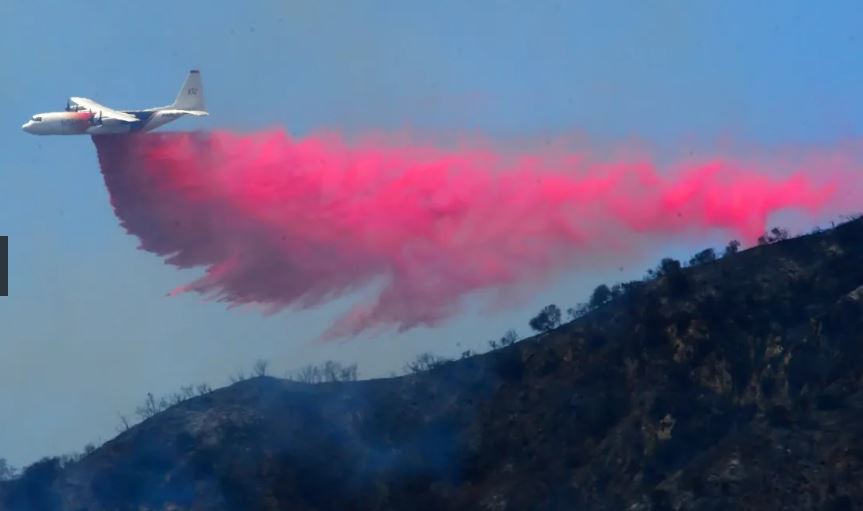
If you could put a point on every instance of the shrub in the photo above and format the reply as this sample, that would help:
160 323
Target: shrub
547 319
238 377
33 490
7 471
601 295
732 248
425 362
676 281
705 256
326 372
775 234
576 312
152 406
149 408
510 337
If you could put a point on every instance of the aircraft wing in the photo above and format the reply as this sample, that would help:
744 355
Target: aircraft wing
110 113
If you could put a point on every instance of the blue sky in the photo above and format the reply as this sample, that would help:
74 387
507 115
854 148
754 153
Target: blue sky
88 330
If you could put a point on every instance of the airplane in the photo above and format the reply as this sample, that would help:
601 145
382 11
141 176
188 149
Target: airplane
84 116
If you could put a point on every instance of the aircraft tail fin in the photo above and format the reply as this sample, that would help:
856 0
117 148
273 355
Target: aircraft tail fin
191 95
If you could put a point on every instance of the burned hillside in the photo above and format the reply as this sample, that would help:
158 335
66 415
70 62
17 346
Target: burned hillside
734 383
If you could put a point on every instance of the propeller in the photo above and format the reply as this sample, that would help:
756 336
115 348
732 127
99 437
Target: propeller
68 106
94 121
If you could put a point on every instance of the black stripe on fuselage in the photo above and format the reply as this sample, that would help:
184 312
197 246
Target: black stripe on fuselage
143 117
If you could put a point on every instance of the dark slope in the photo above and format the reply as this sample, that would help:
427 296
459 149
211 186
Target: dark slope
736 384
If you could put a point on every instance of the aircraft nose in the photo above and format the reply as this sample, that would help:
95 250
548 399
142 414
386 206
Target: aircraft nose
26 126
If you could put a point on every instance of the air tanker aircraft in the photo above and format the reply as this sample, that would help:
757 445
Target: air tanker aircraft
86 117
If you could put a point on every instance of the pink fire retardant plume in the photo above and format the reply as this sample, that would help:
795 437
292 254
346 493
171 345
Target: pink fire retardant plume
289 222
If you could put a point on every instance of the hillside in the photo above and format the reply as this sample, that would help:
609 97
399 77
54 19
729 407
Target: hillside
735 384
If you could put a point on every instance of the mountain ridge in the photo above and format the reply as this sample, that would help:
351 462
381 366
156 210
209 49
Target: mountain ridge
736 383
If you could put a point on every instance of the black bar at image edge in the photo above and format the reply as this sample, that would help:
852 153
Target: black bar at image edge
4 265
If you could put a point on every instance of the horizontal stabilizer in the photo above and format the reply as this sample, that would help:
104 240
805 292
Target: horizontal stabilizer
176 111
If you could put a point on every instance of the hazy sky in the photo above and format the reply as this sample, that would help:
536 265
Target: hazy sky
88 330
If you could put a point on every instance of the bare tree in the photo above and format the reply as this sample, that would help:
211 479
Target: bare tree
124 423
578 311
67 460
509 338
333 371
425 362
7 471
307 374
238 377
148 409
260 368
328 371
153 406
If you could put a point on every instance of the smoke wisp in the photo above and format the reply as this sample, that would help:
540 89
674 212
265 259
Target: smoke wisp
285 222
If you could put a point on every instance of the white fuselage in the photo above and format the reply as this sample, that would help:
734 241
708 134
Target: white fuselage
58 123
79 123
84 116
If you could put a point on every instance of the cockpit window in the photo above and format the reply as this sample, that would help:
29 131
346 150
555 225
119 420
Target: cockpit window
37 118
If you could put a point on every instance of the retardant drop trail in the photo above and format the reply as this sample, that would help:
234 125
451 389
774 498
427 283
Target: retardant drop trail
289 222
